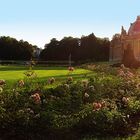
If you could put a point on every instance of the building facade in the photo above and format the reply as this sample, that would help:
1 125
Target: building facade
121 42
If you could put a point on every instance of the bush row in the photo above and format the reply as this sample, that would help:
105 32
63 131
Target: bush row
104 105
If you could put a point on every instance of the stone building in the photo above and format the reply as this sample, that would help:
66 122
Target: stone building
121 42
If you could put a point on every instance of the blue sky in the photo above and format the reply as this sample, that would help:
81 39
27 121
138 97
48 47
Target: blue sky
37 21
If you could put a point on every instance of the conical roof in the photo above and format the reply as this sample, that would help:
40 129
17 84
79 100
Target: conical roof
135 27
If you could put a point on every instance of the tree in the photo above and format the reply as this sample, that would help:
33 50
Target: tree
11 49
90 48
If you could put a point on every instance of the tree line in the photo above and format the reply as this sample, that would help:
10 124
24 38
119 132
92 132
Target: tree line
11 49
88 47
80 49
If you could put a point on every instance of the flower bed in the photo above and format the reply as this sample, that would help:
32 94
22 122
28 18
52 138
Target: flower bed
106 104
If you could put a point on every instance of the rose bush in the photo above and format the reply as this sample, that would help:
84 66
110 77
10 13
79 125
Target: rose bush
105 104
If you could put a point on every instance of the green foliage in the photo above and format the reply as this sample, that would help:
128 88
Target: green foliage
91 48
11 49
103 105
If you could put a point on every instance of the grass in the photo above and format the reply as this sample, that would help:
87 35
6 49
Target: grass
12 73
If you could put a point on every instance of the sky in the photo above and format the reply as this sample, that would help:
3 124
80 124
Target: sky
38 21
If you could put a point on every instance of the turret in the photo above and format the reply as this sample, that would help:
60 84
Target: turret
123 31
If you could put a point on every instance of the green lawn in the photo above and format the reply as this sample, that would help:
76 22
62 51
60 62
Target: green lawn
13 73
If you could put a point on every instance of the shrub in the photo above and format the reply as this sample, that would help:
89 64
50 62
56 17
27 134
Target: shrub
101 105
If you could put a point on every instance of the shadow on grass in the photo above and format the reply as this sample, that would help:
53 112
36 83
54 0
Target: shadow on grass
20 68
59 78
75 76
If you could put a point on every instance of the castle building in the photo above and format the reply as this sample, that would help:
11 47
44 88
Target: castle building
120 42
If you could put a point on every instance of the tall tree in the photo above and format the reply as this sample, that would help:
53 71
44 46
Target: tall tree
11 49
90 48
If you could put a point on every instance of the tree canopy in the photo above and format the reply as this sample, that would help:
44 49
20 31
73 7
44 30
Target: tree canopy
85 48
11 49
